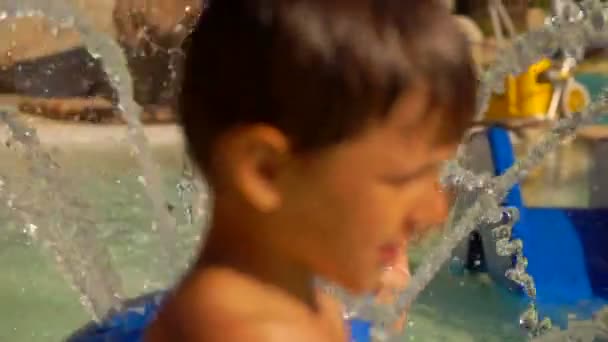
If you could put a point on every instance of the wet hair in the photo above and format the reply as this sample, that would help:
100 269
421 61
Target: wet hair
320 70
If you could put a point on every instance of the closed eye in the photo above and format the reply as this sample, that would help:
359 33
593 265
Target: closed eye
403 178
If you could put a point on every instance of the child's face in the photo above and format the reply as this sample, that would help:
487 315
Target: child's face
347 212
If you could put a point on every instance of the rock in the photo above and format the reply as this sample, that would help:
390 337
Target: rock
69 73
151 32
98 13
94 110
158 22
40 60
28 38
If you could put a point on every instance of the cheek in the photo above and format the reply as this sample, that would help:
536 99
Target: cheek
348 218
345 214
428 205
352 211
339 234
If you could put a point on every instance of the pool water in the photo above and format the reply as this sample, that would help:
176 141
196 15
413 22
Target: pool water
36 303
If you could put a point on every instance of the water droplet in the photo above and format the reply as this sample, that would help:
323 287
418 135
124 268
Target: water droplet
505 247
142 180
502 232
32 229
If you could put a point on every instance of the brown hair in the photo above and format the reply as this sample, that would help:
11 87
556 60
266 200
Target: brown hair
319 70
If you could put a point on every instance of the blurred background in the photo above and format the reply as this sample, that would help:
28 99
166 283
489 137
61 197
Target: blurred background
63 93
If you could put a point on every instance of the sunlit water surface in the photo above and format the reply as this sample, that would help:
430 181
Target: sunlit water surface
37 305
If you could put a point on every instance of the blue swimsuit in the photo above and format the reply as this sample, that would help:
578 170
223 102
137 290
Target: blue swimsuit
129 324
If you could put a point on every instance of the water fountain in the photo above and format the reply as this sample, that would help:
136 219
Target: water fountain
99 285
93 277
567 34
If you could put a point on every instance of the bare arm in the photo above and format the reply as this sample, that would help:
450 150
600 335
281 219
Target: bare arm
210 327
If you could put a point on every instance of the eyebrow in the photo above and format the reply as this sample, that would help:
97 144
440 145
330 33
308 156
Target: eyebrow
425 168
409 176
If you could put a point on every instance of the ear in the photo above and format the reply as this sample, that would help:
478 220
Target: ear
259 154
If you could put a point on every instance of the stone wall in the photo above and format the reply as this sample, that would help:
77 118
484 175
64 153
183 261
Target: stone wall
146 29
30 38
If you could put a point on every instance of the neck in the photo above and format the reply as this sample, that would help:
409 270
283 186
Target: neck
245 248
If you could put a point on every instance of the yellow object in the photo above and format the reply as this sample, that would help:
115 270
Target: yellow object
576 98
526 96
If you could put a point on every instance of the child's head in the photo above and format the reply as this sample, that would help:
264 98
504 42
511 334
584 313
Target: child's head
320 123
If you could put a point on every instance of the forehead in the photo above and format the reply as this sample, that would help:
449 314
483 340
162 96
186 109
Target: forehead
411 109
413 118
409 133
400 140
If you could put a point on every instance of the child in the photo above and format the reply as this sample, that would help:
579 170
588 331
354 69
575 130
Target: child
320 125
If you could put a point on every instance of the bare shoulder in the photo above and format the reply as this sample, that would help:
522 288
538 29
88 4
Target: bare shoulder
223 328
333 311
224 307
269 331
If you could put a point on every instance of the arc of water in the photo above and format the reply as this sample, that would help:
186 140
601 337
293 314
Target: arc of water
484 210
102 46
499 186
84 262
55 242
567 36
526 51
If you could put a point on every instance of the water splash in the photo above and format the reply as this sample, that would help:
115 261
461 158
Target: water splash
507 246
101 45
187 191
61 222
564 35
486 207
91 272
496 188
488 192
